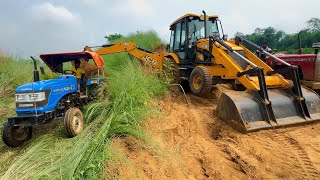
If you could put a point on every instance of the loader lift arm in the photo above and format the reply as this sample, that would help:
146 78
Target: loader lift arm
277 101
145 56
290 71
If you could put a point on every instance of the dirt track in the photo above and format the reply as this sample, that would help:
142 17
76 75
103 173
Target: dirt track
193 144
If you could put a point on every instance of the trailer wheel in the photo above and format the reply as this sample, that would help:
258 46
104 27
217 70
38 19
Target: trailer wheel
15 136
200 81
73 122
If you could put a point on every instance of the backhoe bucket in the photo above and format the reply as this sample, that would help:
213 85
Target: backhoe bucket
245 111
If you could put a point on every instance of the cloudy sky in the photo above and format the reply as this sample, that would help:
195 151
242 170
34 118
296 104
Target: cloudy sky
32 27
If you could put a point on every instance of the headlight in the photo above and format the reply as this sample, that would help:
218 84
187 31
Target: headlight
20 97
30 97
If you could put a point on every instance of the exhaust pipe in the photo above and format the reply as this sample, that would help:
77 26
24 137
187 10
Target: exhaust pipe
35 71
299 42
205 24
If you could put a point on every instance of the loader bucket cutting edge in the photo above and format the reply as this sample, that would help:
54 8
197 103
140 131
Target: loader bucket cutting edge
245 112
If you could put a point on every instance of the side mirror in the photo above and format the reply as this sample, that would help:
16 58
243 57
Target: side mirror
42 70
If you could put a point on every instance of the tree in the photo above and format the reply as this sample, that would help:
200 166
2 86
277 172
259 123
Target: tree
258 31
239 34
286 43
113 37
313 24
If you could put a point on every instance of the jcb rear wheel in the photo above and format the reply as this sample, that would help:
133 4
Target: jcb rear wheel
73 122
15 136
200 81
173 71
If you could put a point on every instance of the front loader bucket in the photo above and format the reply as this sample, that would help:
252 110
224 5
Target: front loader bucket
245 111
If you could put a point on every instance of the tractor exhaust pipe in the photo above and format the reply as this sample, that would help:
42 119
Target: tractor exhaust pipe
35 71
299 42
205 24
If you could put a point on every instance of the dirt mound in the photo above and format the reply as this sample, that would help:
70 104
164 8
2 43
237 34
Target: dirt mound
191 143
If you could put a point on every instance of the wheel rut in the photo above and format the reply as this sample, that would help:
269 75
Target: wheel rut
296 155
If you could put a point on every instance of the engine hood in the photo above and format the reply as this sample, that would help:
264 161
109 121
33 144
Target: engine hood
46 84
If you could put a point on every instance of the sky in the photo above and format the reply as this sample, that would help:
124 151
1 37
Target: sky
33 27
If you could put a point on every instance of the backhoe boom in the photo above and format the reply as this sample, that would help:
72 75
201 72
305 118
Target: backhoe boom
146 57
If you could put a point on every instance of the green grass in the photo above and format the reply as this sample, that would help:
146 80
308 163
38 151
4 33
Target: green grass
126 106
13 73
148 40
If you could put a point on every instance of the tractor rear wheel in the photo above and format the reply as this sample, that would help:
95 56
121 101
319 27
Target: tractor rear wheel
200 81
73 122
15 136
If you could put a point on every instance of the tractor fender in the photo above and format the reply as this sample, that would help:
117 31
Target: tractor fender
173 56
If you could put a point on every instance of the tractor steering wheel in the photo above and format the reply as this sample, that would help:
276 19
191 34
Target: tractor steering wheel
69 72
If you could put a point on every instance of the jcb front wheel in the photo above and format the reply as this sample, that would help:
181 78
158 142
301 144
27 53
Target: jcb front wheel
73 122
15 136
236 85
200 81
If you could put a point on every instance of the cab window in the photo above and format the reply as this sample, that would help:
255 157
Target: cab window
196 28
177 37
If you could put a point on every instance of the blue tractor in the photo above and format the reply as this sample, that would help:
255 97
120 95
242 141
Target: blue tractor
44 100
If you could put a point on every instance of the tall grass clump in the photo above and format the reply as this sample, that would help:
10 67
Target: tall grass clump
126 105
14 72
148 40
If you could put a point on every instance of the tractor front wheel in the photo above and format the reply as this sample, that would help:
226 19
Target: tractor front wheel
73 122
200 81
15 136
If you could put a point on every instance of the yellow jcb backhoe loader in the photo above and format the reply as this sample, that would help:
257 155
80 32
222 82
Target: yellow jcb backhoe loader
203 59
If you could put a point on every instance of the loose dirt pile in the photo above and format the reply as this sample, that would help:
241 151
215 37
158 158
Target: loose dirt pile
191 143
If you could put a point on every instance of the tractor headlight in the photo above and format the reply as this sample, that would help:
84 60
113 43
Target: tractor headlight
20 97
30 97
37 96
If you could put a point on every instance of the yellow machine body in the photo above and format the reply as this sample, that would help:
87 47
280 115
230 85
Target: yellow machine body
202 57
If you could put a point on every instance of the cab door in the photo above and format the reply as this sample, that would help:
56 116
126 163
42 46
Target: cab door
178 40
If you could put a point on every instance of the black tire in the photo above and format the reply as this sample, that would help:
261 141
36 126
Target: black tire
92 91
102 89
172 69
73 122
238 86
15 136
200 81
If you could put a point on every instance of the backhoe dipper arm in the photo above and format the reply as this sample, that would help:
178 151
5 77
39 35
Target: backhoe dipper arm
146 57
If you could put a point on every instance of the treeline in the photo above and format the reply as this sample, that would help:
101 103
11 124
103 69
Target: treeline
279 41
